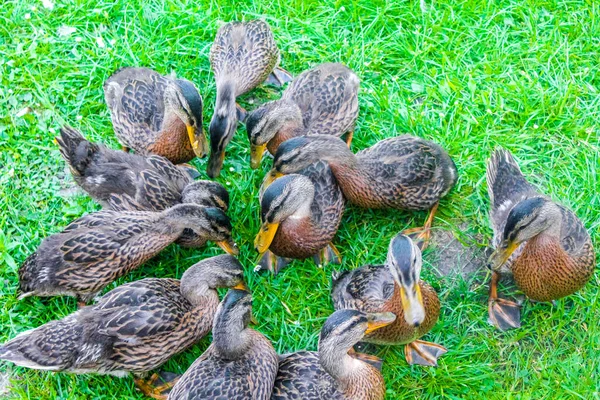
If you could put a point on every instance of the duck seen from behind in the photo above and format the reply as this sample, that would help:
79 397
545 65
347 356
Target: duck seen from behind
404 172
322 100
300 216
98 248
240 363
156 114
134 328
335 371
541 243
395 287
243 55
129 182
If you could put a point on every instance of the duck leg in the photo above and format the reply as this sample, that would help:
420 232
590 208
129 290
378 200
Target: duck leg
150 389
278 77
421 235
328 255
503 314
241 112
423 353
273 263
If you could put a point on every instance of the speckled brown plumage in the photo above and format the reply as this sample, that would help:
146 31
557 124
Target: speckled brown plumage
326 98
133 328
141 119
371 288
129 182
301 238
403 172
242 365
554 263
98 248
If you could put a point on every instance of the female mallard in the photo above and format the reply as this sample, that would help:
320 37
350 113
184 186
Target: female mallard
300 215
155 114
243 55
322 100
335 371
404 172
395 287
543 244
240 364
98 248
134 328
130 182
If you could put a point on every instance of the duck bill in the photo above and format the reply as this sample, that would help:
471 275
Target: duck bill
501 255
229 246
412 304
242 286
256 154
215 163
270 178
379 320
265 237
198 141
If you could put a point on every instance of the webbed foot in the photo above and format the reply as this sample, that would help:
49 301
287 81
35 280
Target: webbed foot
423 353
273 263
149 388
422 234
279 77
328 255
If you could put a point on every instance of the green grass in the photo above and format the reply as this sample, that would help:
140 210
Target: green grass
470 75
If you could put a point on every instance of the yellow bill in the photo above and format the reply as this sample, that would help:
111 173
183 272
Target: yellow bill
241 286
501 255
265 237
256 153
198 142
379 320
229 247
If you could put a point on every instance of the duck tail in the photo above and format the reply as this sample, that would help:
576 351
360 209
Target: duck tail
28 273
504 176
77 151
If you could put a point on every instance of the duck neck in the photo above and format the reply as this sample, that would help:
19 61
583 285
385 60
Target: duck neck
225 98
356 182
199 294
230 338
343 368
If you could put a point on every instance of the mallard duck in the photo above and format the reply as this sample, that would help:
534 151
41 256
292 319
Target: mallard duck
395 287
240 363
322 100
242 56
134 328
130 182
156 114
100 247
335 371
404 172
300 215
541 243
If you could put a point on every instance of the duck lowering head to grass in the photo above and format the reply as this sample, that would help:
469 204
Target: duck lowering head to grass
542 244
134 328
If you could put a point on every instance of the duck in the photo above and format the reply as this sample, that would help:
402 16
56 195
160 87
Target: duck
322 100
335 370
240 363
394 287
403 172
542 244
130 182
135 328
98 248
156 114
243 55
300 216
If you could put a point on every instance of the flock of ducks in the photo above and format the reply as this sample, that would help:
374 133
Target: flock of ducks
151 199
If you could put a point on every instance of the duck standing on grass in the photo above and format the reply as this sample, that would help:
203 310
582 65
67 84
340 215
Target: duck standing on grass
404 172
134 328
395 287
322 100
240 364
243 55
156 114
541 243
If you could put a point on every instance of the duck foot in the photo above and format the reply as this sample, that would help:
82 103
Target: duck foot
273 263
328 255
423 353
368 358
81 304
349 137
167 381
279 77
503 314
125 149
421 235
241 112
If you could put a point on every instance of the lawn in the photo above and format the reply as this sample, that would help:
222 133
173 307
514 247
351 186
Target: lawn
470 75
